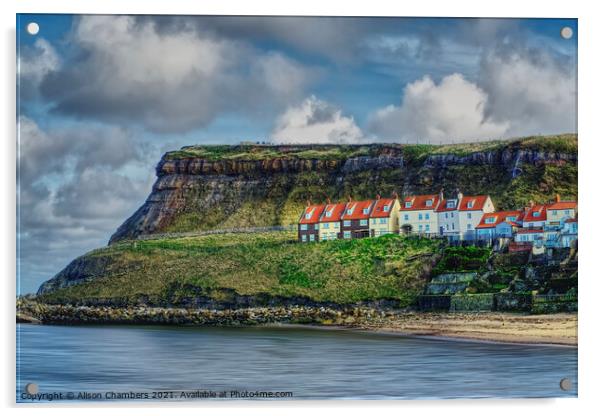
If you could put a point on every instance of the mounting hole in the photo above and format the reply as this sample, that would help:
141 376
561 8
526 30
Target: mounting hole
566 32
33 28
31 388
565 384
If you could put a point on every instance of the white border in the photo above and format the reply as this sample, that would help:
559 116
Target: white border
589 195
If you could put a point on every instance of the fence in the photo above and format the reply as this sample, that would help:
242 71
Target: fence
291 227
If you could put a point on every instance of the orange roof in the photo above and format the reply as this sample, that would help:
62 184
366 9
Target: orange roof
419 202
443 205
530 215
378 211
311 215
473 203
563 205
355 210
332 212
499 217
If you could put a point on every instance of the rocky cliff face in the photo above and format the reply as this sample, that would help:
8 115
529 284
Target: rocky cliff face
197 193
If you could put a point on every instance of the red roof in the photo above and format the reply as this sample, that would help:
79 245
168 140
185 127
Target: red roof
335 210
571 220
478 202
311 215
378 211
530 214
356 209
499 217
443 206
419 202
563 205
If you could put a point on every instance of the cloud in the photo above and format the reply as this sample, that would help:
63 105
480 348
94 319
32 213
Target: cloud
129 71
451 110
76 184
533 91
34 63
315 121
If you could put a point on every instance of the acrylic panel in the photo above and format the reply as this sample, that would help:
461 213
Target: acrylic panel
285 208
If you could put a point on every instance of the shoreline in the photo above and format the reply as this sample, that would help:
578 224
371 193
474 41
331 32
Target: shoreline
558 329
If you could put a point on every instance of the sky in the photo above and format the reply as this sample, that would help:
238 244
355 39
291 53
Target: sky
101 98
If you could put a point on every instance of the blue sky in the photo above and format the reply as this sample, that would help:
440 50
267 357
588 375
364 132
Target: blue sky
102 97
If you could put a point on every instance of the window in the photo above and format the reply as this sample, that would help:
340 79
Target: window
383 220
566 212
429 202
420 216
409 204
555 213
427 227
307 216
347 223
469 215
373 220
453 226
450 204
536 214
447 227
303 237
427 216
489 220
406 217
386 208
347 234
326 225
470 204
324 237
312 237
469 226
512 218
366 211
349 211
451 214
420 227
303 227
446 215
329 214
363 222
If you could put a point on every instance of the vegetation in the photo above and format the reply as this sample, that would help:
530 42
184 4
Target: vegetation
272 264
463 259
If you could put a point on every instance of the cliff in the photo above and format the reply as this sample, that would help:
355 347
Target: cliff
208 187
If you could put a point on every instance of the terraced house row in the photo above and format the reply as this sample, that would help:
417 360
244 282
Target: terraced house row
461 217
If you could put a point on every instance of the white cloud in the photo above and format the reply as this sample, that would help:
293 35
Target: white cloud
532 91
131 71
315 121
451 110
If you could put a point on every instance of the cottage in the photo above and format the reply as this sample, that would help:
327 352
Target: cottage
501 224
535 216
417 214
559 211
355 219
448 218
470 211
568 234
384 217
529 235
308 229
330 221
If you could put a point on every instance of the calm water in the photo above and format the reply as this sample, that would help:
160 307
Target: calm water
310 363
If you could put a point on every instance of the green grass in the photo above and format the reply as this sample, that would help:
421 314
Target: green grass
342 271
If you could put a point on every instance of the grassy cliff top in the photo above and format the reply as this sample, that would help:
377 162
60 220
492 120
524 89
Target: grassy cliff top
272 264
565 143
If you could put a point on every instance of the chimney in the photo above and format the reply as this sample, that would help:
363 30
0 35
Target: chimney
328 201
394 195
557 197
460 195
377 196
441 194
349 199
308 201
531 203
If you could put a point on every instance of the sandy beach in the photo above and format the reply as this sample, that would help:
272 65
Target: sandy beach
559 329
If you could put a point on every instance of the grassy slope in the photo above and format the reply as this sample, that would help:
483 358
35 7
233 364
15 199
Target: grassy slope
338 271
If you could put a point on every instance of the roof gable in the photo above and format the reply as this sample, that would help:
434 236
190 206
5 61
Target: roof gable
419 202
355 210
473 203
311 214
332 212
383 208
